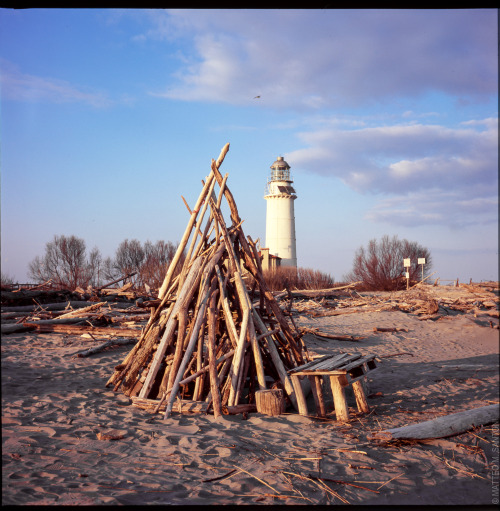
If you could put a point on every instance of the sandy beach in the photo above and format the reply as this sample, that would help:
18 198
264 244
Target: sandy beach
69 440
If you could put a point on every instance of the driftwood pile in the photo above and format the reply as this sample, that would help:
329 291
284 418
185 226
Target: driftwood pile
217 336
424 301
46 293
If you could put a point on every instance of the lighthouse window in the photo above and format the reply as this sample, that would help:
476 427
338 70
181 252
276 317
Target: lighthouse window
286 189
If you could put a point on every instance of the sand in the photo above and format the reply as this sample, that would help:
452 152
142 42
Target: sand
68 440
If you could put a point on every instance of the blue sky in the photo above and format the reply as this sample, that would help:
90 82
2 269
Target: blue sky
388 119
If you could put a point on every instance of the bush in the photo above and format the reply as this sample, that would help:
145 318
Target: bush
380 266
298 278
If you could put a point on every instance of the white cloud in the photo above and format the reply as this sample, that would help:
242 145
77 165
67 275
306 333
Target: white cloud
19 86
436 207
313 58
429 173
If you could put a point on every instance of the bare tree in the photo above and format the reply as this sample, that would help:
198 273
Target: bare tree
381 267
6 280
65 263
157 257
94 267
108 270
129 258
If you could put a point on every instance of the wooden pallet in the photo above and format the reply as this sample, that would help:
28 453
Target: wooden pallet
343 370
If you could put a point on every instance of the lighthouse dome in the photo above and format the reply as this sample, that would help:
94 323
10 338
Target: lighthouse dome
280 164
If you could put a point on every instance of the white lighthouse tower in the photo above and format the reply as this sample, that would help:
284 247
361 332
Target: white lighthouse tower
280 218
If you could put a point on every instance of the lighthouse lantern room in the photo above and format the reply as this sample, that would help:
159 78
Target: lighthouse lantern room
280 216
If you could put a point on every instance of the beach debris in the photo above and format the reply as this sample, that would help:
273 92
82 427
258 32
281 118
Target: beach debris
110 435
425 301
217 335
441 427
98 349
389 329
337 337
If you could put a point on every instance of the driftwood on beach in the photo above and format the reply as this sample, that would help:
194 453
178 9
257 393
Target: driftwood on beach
217 335
448 425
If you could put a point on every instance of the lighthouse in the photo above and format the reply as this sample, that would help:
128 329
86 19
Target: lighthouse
280 217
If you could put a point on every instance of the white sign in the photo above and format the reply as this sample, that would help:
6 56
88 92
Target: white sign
421 260
406 263
407 275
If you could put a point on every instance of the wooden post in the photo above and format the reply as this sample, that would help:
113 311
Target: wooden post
299 395
270 402
318 395
359 394
338 393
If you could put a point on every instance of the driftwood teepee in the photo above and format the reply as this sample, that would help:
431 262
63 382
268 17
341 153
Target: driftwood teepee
217 336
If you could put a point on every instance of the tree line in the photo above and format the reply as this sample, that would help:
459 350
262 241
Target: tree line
67 264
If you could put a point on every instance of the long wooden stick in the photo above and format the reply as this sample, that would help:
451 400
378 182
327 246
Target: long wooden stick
246 303
231 327
184 297
189 349
238 358
214 378
200 317
182 245
198 226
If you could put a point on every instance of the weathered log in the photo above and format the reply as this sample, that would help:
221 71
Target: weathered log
236 409
123 277
78 330
102 347
441 427
270 402
390 329
48 306
314 293
335 337
16 328
180 406
59 321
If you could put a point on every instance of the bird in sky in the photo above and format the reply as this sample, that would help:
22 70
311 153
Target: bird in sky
256 97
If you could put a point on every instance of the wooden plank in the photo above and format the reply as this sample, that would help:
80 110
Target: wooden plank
308 365
352 362
357 362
